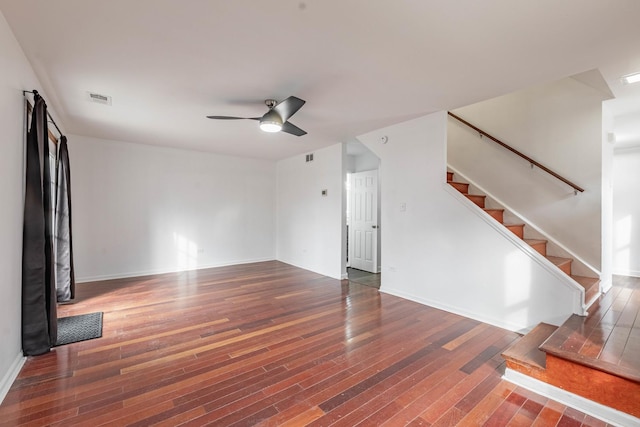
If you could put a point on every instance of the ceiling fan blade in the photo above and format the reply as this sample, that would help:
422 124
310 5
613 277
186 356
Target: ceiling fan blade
232 118
292 129
288 107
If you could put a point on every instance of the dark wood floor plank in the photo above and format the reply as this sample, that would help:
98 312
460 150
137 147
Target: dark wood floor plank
270 344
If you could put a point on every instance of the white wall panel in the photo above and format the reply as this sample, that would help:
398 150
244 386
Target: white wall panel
439 252
139 209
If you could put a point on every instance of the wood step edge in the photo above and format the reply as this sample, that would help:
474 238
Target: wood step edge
586 282
457 182
493 210
514 225
590 362
591 287
532 242
526 350
558 261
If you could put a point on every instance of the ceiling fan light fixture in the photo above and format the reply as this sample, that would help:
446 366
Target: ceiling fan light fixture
270 126
271 122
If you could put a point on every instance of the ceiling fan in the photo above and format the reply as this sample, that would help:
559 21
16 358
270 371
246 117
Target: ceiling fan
276 119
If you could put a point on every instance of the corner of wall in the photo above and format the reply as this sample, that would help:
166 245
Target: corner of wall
11 374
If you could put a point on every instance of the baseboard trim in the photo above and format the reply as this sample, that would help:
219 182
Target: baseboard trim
161 271
589 407
632 273
11 375
323 273
456 310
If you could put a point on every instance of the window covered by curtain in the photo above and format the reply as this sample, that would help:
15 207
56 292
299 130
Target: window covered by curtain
39 323
65 279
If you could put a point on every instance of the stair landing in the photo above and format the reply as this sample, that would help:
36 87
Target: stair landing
596 357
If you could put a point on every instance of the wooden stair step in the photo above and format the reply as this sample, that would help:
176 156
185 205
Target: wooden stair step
449 176
563 264
539 245
497 214
477 199
526 353
591 286
590 377
566 343
460 186
517 229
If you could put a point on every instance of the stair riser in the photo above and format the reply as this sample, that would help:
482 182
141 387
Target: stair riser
618 393
518 230
449 176
541 248
591 293
461 187
478 200
497 215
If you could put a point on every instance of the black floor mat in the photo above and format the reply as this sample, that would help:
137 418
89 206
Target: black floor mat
79 328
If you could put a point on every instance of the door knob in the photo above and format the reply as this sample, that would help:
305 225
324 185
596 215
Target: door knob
374 226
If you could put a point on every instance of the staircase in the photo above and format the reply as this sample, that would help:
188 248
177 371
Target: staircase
591 285
577 357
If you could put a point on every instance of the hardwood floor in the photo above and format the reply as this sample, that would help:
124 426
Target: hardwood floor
271 344
364 277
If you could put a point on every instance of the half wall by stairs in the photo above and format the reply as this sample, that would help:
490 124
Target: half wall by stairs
590 286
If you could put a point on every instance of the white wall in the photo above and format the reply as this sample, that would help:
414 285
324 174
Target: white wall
16 75
558 124
311 226
606 261
141 209
626 212
440 252
365 162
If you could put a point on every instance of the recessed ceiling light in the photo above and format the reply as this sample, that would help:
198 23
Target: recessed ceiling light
631 78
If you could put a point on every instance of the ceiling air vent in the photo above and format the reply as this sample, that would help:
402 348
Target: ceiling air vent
100 99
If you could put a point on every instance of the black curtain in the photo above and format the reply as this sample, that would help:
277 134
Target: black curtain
65 278
39 322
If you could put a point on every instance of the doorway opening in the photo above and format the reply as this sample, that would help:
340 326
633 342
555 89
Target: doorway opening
363 216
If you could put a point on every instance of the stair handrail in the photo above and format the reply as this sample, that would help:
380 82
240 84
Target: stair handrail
575 187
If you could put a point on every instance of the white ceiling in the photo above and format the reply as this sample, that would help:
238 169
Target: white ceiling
359 64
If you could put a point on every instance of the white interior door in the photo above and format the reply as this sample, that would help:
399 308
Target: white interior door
363 226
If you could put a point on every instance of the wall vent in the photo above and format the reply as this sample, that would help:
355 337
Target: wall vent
309 158
98 98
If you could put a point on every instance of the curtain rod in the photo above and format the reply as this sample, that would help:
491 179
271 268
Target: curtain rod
35 92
